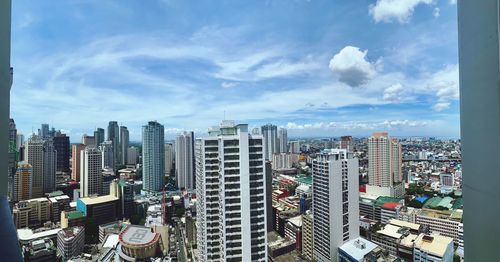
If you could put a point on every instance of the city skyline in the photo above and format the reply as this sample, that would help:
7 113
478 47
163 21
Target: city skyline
315 73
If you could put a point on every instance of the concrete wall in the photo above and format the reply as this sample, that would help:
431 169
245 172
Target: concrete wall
478 28
5 83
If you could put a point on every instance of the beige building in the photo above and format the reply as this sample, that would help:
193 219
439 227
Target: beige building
31 212
446 223
138 243
22 181
307 240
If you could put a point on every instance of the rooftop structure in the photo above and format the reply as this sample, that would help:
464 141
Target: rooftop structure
357 248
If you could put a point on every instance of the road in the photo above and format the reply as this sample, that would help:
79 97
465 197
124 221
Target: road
181 254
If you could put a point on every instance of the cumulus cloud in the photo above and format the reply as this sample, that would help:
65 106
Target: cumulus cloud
395 10
445 85
393 93
351 66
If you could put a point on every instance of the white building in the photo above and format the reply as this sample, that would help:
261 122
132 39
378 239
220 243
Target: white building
283 160
446 181
41 155
153 154
184 160
70 242
231 193
169 159
335 202
294 147
271 143
283 140
446 223
433 248
91 172
132 155
107 159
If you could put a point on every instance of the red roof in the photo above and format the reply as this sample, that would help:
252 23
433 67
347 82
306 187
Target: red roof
362 188
390 205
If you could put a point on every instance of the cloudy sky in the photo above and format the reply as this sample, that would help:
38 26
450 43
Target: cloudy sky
317 67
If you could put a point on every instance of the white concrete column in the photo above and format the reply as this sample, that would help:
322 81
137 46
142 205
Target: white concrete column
479 57
5 84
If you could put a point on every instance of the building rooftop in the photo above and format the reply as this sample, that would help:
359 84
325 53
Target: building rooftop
384 199
390 205
401 223
408 241
303 179
138 236
296 221
358 248
26 234
75 214
97 200
433 244
391 231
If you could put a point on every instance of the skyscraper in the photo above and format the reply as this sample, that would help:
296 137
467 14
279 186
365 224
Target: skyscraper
19 140
153 154
88 140
132 155
91 172
44 131
169 158
231 191
114 137
124 142
61 145
22 182
271 144
41 155
384 166
335 202
283 140
76 151
12 131
99 136
108 160
184 160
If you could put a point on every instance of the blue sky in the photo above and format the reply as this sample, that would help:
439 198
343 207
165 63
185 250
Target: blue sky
319 68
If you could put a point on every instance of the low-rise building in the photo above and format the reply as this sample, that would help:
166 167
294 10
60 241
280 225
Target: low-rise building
40 250
139 243
445 222
72 219
293 230
57 205
357 250
433 248
70 242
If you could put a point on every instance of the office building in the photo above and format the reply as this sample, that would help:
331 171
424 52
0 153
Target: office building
41 155
384 166
284 160
99 136
283 140
19 141
346 143
102 209
184 160
443 222
447 182
169 159
153 156
433 248
61 145
114 137
57 205
31 212
23 182
335 202
76 151
43 132
108 160
132 155
89 140
70 242
294 147
231 195
124 142
271 144
91 172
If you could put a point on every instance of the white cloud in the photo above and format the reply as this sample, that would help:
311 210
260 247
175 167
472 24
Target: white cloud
393 93
357 125
351 67
453 2
390 10
436 12
229 84
440 106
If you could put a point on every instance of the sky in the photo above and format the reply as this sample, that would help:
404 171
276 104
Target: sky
317 67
